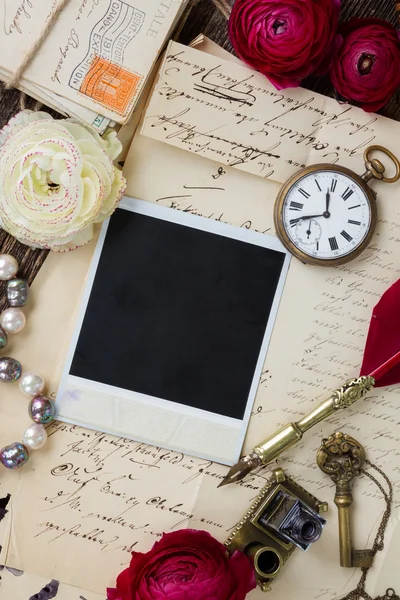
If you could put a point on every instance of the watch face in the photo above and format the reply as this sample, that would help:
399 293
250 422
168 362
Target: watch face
326 214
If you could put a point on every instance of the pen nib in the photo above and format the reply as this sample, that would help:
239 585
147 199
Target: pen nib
239 471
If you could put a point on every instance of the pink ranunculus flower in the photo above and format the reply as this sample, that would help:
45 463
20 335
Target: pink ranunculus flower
285 40
366 69
185 565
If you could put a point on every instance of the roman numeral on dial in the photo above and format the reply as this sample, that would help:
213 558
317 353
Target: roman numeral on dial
305 194
354 222
347 193
333 243
333 185
296 206
294 222
346 235
318 186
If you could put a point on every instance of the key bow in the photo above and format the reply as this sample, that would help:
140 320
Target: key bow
341 457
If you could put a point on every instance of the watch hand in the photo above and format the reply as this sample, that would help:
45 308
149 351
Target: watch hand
328 199
310 217
298 219
309 231
294 222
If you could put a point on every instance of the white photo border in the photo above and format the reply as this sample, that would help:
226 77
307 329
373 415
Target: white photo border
234 429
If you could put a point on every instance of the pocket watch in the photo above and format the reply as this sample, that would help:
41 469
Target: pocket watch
326 214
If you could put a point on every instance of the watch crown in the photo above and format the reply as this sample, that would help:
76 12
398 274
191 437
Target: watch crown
377 165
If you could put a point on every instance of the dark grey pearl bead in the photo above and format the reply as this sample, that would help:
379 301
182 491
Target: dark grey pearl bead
14 456
10 369
3 338
42 409
17 292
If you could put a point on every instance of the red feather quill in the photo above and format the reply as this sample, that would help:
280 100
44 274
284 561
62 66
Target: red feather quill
382 349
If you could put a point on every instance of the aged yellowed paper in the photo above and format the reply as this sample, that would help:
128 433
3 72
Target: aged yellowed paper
227 112
99 53
87 499
19 585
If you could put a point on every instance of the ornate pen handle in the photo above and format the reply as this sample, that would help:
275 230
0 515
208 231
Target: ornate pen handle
343 397
284 438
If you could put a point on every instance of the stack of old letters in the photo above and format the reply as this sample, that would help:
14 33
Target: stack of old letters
91 61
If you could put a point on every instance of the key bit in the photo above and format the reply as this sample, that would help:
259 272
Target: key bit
242 468
342 457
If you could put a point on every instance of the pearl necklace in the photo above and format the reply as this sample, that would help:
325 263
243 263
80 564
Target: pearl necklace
41 408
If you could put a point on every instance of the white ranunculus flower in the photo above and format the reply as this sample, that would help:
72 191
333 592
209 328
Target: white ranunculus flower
57 178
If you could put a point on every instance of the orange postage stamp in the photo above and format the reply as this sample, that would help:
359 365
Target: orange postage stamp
110 85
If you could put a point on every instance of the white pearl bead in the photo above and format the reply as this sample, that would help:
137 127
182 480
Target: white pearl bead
35 436
8 267
12 320
31 384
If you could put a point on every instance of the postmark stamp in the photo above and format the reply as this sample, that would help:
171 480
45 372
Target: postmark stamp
101 75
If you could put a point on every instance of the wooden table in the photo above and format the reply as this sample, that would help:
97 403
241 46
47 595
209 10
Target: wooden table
204 18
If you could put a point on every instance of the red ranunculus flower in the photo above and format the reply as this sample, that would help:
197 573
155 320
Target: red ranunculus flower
185 565
285 40
367 66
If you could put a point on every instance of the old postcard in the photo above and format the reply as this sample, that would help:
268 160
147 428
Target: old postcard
93 498
97 54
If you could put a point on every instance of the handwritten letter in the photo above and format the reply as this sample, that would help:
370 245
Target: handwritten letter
87 500
229 113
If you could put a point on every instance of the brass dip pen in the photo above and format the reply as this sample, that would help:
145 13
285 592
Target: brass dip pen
290 434
380 367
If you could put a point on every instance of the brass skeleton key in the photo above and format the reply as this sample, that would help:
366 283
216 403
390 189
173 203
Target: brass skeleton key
342 457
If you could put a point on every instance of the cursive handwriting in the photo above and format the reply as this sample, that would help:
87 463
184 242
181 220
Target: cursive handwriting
82 7
230 114
14 23
123 494
199 141
71 42
105 501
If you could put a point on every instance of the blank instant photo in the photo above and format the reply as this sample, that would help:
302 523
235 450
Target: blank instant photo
173 331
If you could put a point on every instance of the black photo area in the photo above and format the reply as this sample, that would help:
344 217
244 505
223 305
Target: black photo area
177 313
